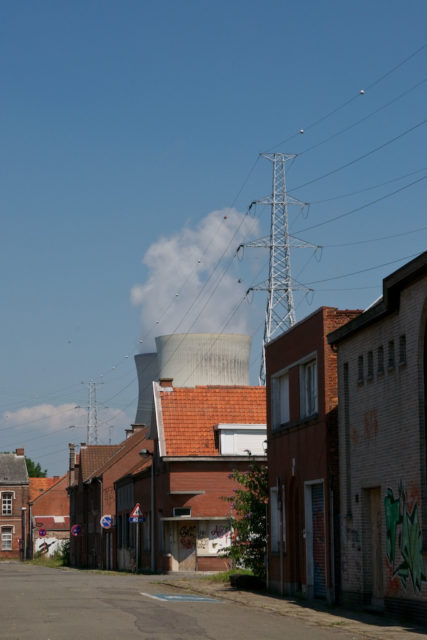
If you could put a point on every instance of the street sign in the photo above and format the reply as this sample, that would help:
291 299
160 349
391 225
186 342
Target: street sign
136 519
106 522
76 530
42 532
136 511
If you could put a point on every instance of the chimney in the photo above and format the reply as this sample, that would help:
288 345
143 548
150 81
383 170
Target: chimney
138 427
128 433
72 449
166 382
20 452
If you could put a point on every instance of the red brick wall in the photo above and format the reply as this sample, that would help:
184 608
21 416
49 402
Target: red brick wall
15 520
312 444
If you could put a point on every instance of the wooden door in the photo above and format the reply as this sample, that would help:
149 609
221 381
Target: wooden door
187 539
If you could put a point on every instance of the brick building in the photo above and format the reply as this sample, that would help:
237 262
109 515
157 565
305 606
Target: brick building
200 435
49 514
14 492
301 379
93 496
382 363
85 503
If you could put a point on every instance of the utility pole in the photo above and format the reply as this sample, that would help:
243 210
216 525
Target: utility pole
280 311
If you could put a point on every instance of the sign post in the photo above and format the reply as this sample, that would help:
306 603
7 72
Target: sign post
136 516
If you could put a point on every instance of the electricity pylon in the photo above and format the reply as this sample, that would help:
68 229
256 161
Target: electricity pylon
280 311
92 414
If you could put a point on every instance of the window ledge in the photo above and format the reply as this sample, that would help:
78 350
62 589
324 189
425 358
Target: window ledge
301 422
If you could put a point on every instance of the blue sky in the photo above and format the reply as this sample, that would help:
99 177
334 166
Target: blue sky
130 131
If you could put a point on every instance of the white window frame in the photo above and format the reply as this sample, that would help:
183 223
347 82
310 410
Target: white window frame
6 541
309 389
280 400
275 520
7 503
230 436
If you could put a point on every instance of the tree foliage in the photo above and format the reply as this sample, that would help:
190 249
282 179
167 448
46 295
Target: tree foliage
34 469
249 519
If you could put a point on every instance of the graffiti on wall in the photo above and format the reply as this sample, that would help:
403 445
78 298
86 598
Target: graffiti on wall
187 536
404 539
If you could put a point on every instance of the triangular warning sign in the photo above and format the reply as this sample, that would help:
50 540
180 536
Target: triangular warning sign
136 511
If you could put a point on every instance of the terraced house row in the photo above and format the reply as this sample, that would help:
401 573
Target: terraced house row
346 402
341 425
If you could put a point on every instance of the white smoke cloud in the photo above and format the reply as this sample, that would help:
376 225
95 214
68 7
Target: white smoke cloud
179 295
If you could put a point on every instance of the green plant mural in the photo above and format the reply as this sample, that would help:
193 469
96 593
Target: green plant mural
404 539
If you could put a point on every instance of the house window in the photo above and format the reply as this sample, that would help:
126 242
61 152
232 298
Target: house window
390 361
308 389
277 511
6 539
402 349
370 365
280 400
238 439
380 356
181 512
360 369
6 504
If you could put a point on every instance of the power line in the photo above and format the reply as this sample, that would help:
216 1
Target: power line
363 156
353 273
363 206
352 98
395 235
361 120
376 186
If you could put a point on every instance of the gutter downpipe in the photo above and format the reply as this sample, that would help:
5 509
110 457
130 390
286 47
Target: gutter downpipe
153 511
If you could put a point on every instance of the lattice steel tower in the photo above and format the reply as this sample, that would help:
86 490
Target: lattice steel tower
280 311
92 415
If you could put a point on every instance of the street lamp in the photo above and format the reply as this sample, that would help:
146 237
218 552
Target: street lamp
144 453
24 533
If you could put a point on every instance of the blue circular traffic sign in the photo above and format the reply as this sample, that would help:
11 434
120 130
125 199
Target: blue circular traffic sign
42 532
106 522
76 529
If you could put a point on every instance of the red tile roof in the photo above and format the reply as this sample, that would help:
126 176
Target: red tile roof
40 485
93 456
189 415
135 439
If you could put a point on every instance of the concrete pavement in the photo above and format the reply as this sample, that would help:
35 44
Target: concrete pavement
363 625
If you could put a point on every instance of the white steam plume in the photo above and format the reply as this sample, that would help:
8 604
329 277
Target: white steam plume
174 298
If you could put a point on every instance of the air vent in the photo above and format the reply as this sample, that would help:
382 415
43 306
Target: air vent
182 512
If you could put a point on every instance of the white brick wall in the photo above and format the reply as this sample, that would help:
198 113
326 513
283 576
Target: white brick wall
385 420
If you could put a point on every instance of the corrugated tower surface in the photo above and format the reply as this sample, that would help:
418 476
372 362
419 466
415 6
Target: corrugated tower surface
204 358
190 360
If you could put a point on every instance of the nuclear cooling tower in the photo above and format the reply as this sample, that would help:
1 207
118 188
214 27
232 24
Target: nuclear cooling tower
204 358
192 359
147 370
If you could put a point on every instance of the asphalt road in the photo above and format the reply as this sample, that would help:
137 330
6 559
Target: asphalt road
64 604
